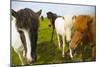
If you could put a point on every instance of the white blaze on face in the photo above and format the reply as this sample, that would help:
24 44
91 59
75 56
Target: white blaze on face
28 44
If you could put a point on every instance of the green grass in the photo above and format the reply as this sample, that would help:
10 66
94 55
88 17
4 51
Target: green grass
47 52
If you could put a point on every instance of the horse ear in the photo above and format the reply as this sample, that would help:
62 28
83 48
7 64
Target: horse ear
39 12
13 13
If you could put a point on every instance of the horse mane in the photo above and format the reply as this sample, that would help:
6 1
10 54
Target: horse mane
82 21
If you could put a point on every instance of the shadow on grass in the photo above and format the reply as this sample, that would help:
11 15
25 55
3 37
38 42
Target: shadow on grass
49 53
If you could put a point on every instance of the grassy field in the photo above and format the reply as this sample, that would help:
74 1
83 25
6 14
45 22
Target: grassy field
47 52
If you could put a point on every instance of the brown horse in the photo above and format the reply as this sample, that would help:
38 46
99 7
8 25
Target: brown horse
84 31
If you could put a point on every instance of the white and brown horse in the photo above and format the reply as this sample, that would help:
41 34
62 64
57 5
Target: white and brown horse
63 26
25 33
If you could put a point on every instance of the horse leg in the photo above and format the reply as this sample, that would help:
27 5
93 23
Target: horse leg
59 44
24 53
70 53
19 55
52 35
68 34
63 38
20 58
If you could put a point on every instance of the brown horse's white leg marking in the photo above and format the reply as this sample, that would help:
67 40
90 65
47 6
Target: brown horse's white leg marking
70 53
59 44
63 52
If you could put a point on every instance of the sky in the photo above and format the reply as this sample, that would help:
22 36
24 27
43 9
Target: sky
59 9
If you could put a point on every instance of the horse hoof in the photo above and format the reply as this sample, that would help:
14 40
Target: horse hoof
59 47
63 56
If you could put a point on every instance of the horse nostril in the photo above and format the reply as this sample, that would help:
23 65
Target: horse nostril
49 25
